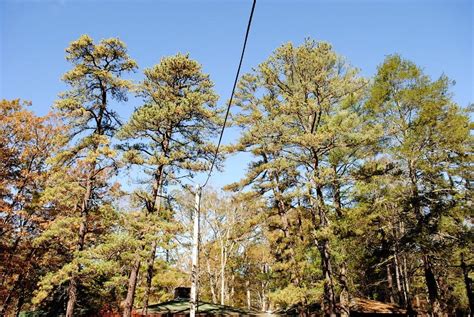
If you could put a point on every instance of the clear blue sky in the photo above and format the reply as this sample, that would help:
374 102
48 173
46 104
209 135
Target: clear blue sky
436 34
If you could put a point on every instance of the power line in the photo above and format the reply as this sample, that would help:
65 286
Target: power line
231 95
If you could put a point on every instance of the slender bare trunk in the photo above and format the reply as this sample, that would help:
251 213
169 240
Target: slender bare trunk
247 287
432 287
264 288
401 298
195 255
223 264
344 297
232 290
390 283
406 283
149 277
329 298
132 284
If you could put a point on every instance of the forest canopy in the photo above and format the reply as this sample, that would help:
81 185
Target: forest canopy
356 187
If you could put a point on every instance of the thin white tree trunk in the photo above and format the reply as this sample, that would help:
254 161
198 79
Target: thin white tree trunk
264 288
398 279
223 262
195 255
232 290
249 303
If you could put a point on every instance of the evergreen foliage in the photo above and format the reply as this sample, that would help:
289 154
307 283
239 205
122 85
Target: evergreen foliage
356 188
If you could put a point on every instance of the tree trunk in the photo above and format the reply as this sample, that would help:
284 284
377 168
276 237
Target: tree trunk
232 290
149 277
19 304
72 294
432 287
390 283
468 284
344 297
195 255
156 206
329 298
247 287
400 296
132 284
264 286
223 264
72 289
406 283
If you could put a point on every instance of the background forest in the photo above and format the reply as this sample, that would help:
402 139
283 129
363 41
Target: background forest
357 187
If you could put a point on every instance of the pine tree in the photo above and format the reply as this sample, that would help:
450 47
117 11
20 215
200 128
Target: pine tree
300 111
169 139
427 138
95 81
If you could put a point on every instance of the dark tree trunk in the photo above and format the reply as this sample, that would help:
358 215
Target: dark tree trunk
468 284
156 206
72 296
432 286
132 284
149 277
19 304
329 298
